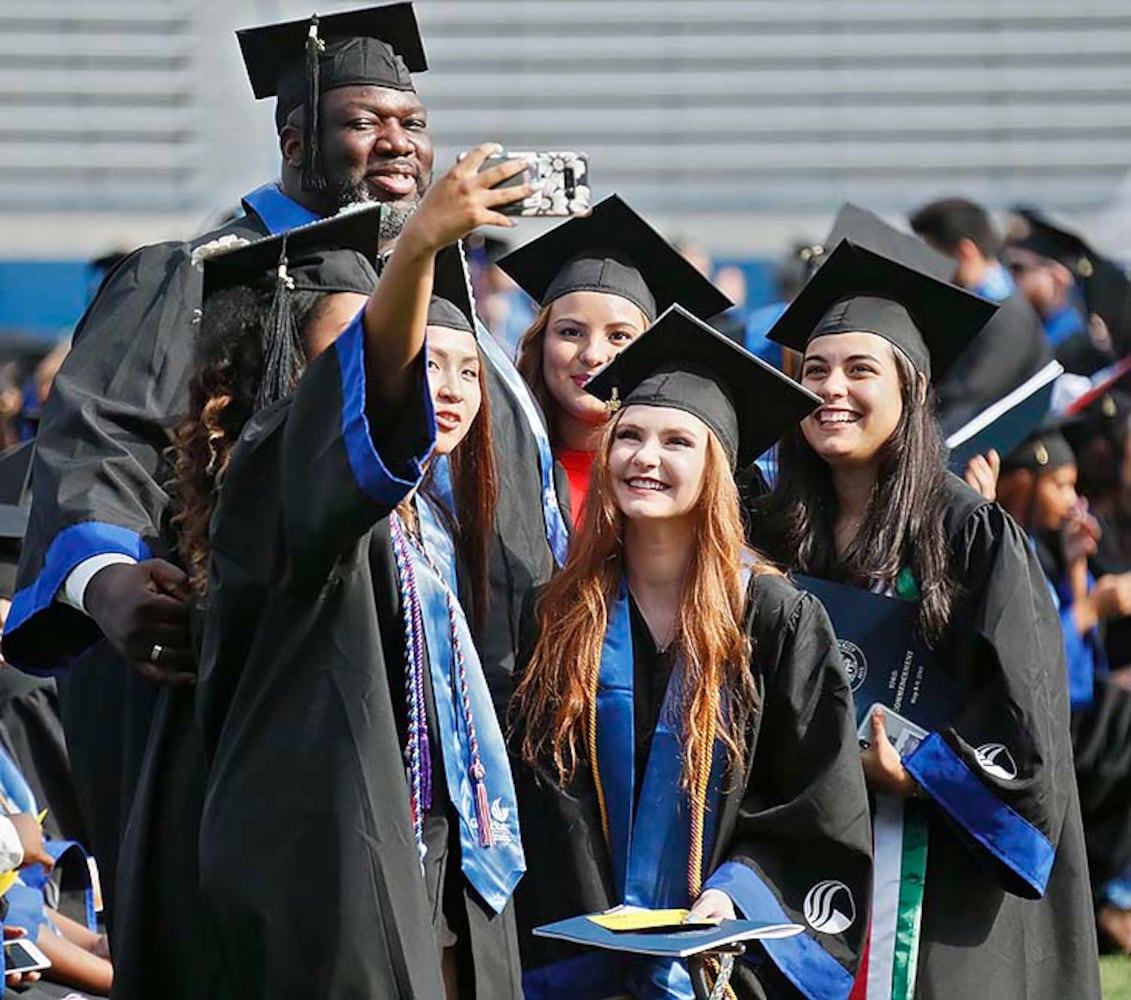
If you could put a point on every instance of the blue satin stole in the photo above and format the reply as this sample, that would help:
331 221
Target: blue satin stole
649 841
493 870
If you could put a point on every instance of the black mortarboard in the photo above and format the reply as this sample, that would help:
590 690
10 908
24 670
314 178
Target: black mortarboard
1044 450
868 230
298 60
1106 285
331 255
452 304
310 255
612 250
1101 416
859 291
683 363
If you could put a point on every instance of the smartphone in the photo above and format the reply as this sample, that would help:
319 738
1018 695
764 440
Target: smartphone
560 181
903 734
21 955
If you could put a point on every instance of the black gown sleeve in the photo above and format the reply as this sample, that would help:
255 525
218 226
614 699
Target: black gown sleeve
341 470
1002 770
96 480
1011 348
100 471
801 847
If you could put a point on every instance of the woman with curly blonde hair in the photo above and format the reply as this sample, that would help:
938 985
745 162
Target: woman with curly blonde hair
683 717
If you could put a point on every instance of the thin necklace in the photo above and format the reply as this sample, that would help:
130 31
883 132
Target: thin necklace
669 634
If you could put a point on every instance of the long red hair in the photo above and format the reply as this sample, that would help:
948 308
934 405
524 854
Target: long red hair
555 703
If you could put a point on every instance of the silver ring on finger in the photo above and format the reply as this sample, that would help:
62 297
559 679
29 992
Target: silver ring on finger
155 652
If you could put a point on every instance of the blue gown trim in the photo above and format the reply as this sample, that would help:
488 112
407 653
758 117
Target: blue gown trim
1004 833
277 212
616 758
70 547
801 959
373 477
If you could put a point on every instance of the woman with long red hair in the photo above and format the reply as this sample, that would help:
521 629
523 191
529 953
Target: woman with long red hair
683 717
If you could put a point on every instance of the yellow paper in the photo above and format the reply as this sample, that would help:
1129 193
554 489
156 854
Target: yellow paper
7 880
636 918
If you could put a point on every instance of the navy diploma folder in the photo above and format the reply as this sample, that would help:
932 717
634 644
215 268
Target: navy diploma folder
885 656
668 944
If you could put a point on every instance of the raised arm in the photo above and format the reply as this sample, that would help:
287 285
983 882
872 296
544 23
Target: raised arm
360 428
457 203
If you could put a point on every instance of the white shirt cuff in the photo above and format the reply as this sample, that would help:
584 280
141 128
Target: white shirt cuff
74 587
11 850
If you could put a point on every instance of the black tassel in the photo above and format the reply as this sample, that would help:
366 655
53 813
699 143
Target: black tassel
313 177
283 353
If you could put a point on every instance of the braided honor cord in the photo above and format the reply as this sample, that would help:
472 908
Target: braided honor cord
476 771
417 750
714 967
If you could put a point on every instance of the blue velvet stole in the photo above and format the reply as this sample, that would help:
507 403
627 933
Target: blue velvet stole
276 211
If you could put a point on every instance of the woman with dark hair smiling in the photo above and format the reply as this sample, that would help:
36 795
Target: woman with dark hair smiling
683 718
599 281
981 883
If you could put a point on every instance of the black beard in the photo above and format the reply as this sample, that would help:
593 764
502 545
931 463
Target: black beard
347 187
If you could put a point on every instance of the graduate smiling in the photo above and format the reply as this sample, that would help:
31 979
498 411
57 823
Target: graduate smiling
980 875
683 717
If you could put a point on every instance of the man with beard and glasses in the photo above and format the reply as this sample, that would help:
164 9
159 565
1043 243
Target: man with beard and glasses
97 581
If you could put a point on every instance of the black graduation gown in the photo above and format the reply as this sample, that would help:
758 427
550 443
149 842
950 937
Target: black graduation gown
99 473
1101 736
520 557
996 921
31 732
990 928
1080 355
309 870
796 817
1011 347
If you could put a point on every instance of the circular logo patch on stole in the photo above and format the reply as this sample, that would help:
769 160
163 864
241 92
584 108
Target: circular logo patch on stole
855 663
996 760
829 907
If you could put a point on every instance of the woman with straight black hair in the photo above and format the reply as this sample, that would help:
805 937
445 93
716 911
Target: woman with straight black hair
359 833
980 885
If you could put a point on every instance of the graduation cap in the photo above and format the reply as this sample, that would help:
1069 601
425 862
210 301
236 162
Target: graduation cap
331 255
612 250
868 230
683 363
858 290
296 61
452 304
1106 285
1045 449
